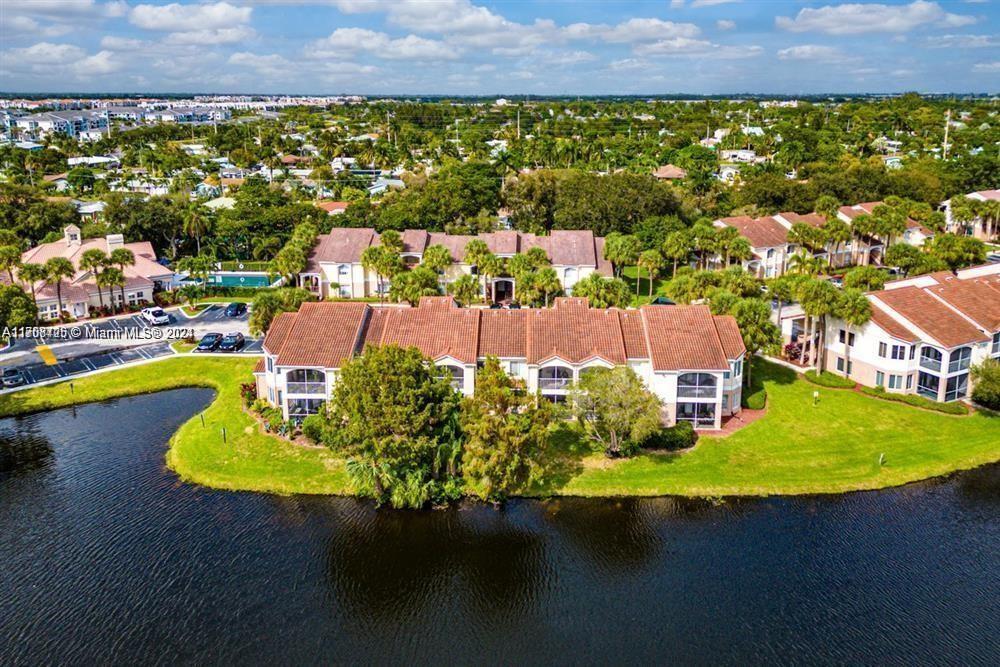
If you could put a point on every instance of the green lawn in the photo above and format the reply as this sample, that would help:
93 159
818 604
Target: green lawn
797 448
249 461
659 285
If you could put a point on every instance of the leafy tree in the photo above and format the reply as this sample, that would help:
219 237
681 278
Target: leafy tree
677 247
81 179
389 416
16 308
410 286
10 258
603 292
621 250
759 333
956 251
652 262
867 278
31 274
617 410
267 304
436 258
986 390
465 289
904 257
505 432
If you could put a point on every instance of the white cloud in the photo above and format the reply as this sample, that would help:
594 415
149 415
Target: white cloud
683 46
240 33
813 52
990 67
116 43
347 40
677 4
102 62
963 42
855 18
189 18
626 64
272 65
632 30
46 59
725 24
64 8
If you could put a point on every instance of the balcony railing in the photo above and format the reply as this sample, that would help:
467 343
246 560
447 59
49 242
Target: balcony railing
957 365
695 392
306 388
554 384
930 364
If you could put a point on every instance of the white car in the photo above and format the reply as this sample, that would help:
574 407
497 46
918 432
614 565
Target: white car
154 316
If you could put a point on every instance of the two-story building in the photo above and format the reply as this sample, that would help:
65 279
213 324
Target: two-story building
982 227
334 265
79 293
924 334
692 360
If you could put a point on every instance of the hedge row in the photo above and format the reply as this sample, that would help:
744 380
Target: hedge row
917 401
828 379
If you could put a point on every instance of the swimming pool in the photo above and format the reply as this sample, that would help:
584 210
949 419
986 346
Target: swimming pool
239 279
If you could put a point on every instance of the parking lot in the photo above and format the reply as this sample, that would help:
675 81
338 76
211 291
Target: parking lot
92 362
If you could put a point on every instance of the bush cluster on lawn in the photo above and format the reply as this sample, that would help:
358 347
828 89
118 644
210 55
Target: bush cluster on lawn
274 421
755 396
828 379
917 401
987 389
680 436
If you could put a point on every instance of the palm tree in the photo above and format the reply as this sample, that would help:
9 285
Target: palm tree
111 277
10 258
32 274
854 308
95 261
122 257
491 266
546 282
58 269
818 299
652 262
196 224
677 247
465 289
372 260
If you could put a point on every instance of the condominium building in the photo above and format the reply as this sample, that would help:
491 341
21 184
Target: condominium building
334 266
692 360
923 335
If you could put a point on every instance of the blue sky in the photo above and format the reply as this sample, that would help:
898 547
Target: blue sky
468 47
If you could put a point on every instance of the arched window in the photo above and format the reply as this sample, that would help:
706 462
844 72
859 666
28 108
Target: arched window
570 276
454 374
696 385
959 359
344 279
930 358
306 381
555 379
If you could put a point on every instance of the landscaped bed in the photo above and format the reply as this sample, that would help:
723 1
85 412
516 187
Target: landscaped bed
799 447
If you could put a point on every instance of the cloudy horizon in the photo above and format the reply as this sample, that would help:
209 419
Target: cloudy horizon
460 47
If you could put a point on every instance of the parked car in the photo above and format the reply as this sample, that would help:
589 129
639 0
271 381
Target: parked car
236 309
209 342
12 377
232 342
154 316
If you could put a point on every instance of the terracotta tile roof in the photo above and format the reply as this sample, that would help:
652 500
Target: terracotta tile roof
323 334
669 172
633 334
892 327
811 219
574 332
503 333
333 206
930 315
679 337
683 338
259 366
729 336
564 247
868 208
979 300
760 232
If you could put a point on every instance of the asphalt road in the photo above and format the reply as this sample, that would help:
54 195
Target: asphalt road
81 348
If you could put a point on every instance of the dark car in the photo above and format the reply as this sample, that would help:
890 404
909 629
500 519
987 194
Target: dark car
232 342
210 342
236 309
12 377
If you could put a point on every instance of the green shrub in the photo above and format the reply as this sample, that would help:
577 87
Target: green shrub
754 397
828 379
917 401
680 436
986 391
312 428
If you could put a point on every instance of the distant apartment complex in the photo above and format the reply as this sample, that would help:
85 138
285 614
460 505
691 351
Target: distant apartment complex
923 335
334 266
983 227
771 248
691 359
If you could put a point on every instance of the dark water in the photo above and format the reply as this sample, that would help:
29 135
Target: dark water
106 558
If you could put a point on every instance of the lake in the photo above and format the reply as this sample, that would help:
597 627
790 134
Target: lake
106 557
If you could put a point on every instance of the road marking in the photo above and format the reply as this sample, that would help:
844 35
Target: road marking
143 353
115 358
45 352
89 364
30 376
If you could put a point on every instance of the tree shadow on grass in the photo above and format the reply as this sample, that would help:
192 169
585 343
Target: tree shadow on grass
766 371
562 460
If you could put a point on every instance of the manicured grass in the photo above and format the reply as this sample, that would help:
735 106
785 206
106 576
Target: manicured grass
917 401
248 461
659 284
828 379
797 448
182 346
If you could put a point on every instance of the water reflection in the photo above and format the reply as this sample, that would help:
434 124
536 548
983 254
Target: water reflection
24 448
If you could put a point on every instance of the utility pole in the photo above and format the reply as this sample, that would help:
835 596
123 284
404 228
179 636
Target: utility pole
947 124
